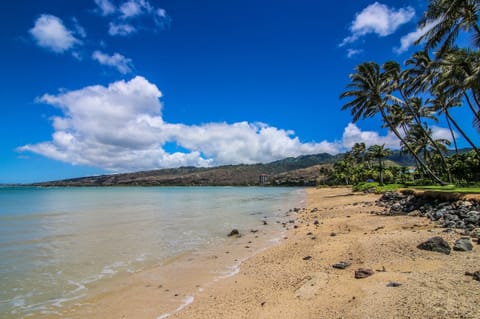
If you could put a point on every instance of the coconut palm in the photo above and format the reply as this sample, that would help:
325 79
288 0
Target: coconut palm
422 75
460 76
358 152
423 146
448 18
379 152
442 103
414 108
371 93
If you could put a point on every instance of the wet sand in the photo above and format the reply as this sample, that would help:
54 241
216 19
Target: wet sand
295 279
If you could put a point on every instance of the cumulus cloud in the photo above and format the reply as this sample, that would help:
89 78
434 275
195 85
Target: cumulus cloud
105 7
132 15
50 33
134 8
353 134
408 40
117 61
442 133
120 128
378 19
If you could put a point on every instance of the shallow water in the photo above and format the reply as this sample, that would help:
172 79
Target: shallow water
56 242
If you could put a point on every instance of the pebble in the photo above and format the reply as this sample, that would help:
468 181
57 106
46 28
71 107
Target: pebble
341 265
361 273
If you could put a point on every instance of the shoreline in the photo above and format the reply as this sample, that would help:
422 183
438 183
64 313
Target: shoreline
164 288
295 278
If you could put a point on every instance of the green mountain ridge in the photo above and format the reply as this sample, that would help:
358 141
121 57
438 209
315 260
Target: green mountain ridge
302 170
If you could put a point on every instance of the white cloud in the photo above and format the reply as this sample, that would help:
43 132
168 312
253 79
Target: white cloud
408 40
352 134
442 133
120 128
132 16
121 29
78 28
134 8
118 61
105 7
352 52
50 33
379 19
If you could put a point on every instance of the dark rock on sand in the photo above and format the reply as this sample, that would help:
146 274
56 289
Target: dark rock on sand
393 284
463 244
437 244
307 258
476 275
341 265
363 273
234 232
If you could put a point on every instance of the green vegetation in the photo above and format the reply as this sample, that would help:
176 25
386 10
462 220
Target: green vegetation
410 98
450 188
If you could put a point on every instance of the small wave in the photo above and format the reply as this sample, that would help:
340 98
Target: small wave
186 301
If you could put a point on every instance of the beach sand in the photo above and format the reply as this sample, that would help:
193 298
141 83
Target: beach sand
295 279
279 283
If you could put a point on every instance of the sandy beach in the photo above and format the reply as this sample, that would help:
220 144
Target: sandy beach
295 278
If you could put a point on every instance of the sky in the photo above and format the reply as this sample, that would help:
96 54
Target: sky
107 86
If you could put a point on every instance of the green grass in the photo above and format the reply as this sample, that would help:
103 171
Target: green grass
449 188
377 188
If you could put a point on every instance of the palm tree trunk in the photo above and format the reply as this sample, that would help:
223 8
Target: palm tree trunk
397 134
453 135
469 102
432 142
462 132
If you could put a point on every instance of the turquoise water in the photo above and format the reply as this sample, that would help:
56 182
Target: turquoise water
55 242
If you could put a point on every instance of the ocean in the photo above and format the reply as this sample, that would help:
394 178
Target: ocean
56 243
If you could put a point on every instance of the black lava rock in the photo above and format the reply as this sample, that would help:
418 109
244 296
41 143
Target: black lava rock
437 244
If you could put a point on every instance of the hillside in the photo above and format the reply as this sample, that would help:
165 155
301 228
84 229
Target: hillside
302 170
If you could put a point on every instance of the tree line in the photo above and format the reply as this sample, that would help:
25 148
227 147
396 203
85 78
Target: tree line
430 84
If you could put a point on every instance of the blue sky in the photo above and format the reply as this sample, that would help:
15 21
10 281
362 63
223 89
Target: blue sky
101 86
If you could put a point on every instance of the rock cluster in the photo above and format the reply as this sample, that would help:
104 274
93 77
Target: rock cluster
462 214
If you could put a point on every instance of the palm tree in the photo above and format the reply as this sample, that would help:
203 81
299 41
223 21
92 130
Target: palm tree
379 152
460 75
424 147
358 152
422 75
448 18
371 90
442 103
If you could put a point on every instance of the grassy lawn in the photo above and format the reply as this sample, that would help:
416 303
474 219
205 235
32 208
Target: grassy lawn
449 188
377 188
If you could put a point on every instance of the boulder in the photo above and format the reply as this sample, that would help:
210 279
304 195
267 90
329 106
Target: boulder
463 244
437 244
